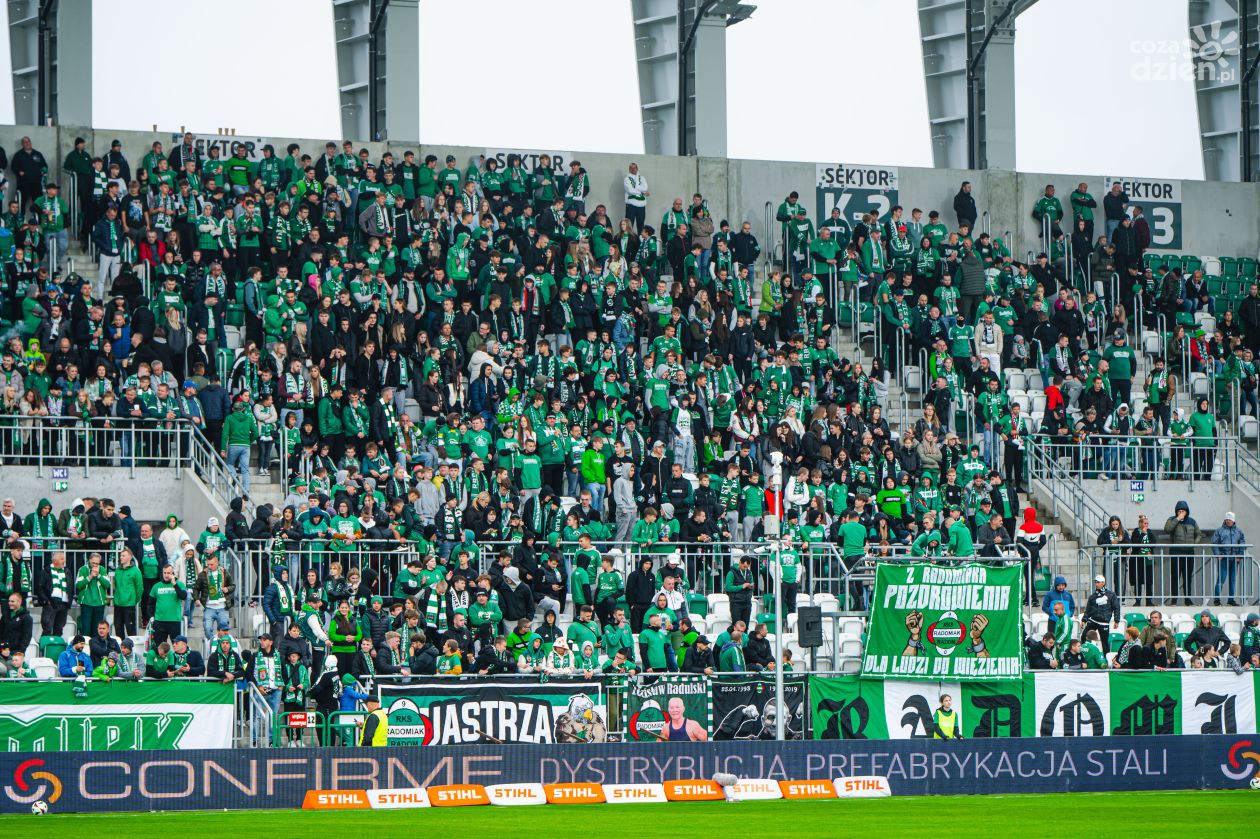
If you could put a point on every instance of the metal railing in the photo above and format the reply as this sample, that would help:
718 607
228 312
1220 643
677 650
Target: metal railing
84 443
1200 575
127 442
1068 497
1115 458
705 565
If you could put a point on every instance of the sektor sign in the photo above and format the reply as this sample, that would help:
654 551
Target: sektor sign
855 189
1160 201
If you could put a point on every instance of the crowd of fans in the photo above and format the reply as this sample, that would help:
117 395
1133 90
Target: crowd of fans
434 357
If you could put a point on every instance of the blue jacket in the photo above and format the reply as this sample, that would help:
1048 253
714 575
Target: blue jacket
1069 602
350 698
69 658
215 403
1225 540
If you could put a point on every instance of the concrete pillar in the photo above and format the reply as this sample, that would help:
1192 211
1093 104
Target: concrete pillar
402 71
709 71
74 62
999 101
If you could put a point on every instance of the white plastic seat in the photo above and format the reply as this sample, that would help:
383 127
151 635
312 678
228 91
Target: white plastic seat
850 665
1248 428
1151 343
1199 385
851 626
851 647
45 668
912 378
1036 401
1015 378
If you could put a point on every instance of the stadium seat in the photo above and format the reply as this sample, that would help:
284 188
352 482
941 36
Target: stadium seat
45 668
850 665
851 626
1181 622
851 646
1015 378
51 646
697 604
1136 619
720 614
1248 428
1151 343
1231 626
1229 267
912 378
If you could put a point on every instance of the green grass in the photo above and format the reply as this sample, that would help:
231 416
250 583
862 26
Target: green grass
1114 814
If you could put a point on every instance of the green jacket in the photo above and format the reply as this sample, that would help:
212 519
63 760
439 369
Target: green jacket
91 592
652 642
239 429
168 599
128 585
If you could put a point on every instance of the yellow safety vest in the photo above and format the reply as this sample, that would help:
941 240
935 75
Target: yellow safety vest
945 722
381 736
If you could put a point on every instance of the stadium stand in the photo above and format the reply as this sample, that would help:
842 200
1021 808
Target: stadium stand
417 383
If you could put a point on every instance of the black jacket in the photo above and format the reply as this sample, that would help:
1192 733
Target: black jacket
16 630
98 647
1200 637
758 651
696 662
965 208
640 588
1102 605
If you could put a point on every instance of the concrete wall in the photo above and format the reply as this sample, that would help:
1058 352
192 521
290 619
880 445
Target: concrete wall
1218 218
152 495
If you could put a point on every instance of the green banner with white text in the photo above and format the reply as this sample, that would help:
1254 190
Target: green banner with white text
945 622
1043 704
115 716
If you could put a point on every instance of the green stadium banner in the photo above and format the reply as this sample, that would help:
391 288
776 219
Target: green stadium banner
445 711
1043 704
938 622
667 707
115 716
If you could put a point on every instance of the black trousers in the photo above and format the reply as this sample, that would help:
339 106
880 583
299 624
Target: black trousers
1104 634
124 621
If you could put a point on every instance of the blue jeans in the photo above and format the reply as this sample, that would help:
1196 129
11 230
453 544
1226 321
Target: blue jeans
573 483
260 733
214 617
127 440
238 459
597 491
1227 566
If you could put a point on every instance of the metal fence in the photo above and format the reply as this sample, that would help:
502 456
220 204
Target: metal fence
84 444
705 565
1196 575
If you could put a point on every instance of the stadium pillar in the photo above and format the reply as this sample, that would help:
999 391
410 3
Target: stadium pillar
74 63
998 118
399 73
709 104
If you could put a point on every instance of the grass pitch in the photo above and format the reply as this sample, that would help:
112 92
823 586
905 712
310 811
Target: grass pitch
1120 814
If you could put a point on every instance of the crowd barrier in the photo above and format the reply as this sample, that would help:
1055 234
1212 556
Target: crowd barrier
142 781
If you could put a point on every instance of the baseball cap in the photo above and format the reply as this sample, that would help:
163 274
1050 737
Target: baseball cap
1230 517
1100 579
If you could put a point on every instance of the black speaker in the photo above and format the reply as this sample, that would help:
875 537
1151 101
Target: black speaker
809 626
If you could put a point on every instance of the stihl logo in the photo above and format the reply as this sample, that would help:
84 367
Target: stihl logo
458 795
630 794
812 788
338 798
513 793
861 786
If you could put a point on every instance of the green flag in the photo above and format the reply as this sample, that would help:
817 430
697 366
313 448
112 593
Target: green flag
847 709
945 623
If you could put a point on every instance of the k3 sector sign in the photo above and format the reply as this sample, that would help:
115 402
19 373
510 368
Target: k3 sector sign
1160 200
855 189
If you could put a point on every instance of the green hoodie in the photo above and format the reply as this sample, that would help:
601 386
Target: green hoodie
128 585
41 524
239 429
